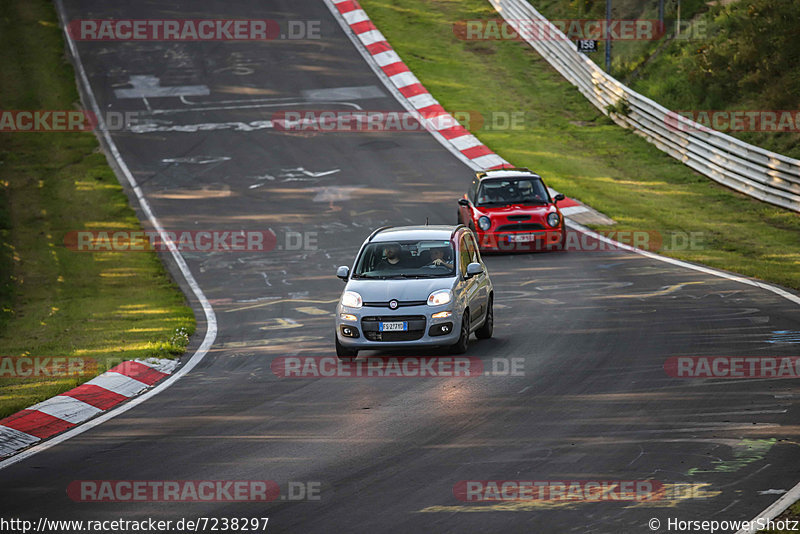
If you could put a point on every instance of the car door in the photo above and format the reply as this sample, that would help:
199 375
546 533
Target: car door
482 280
472 286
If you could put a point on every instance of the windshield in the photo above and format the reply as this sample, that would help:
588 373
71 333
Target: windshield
406 259
512 191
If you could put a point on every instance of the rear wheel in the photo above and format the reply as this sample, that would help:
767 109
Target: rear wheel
343 352
486 330
461 346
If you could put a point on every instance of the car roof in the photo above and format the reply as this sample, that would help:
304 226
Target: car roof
516 172
411 233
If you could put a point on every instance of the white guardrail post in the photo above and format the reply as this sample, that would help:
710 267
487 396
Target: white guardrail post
746 168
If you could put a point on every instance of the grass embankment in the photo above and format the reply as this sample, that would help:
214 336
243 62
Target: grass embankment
627 55
58 302
731 56
748 62
578 150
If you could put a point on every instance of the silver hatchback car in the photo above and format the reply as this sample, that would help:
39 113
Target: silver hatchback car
412 286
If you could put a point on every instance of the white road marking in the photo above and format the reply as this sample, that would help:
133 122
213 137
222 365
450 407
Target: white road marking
250 106
197 160
700 268
202 127
343 94
334 193
148 86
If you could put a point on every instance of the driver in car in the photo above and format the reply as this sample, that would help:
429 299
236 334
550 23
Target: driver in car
437 258
526 188
391 259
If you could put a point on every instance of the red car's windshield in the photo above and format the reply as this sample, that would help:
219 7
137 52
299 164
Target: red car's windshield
512 191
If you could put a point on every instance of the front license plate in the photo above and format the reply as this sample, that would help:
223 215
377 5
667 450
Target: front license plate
521 238
397 326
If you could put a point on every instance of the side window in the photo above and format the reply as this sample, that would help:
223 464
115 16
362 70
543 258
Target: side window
464 257
473 250
473 190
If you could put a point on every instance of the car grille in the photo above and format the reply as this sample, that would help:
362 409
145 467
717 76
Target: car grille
400 303
518 217
522 227
416 328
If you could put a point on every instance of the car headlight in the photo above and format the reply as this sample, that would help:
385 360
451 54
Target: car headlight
351 299
484 223
553 219
437 298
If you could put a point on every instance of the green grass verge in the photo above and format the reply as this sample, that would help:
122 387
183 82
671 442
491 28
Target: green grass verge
747 61
626 55
735 56
579 151
57 302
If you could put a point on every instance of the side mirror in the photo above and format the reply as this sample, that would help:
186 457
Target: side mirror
559 197
463 202
343 272
474 269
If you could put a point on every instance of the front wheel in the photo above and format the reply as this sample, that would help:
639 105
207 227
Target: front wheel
486 330
343 352
461 346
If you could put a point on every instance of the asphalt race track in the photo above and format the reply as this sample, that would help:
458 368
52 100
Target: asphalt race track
594 329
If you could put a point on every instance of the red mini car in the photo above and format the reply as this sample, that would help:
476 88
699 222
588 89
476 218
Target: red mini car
511 210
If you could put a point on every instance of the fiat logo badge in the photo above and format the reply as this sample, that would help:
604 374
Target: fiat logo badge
393 304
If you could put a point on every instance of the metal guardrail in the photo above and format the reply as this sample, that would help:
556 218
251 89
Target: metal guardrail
746 168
